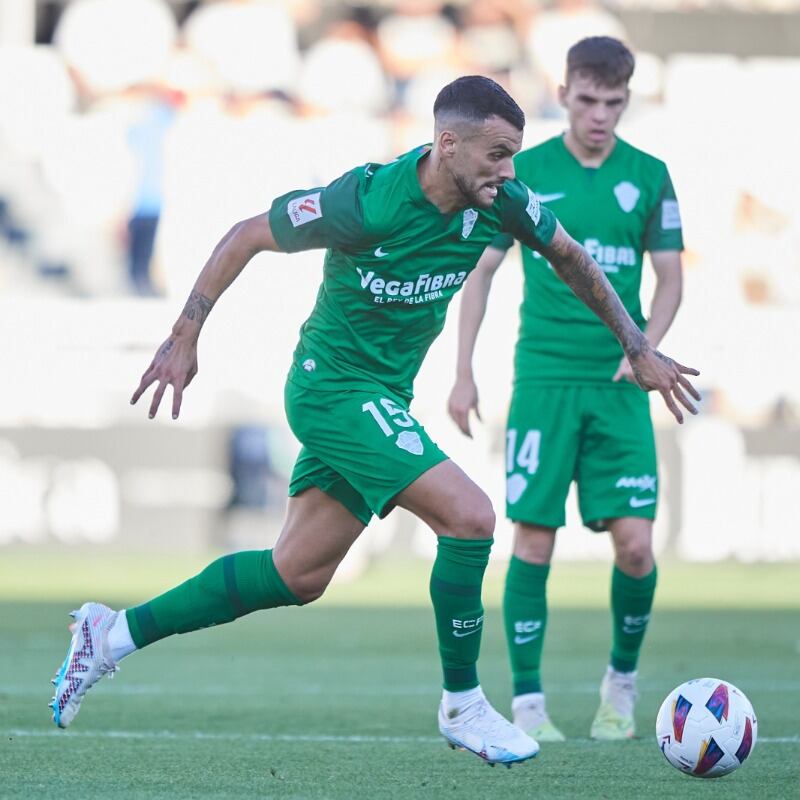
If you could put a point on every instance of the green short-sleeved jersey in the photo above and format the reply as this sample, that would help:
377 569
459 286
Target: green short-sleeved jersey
618 211
393 264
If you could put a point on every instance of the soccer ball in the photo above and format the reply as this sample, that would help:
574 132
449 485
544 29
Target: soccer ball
706 728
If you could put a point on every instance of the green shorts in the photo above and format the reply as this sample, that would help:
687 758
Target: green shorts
361 447
599 436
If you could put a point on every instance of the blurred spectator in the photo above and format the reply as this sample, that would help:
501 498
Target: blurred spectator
489 41
342 73
36 96
554 31
765 248
416 38
155 112
113 44
251 43
250 466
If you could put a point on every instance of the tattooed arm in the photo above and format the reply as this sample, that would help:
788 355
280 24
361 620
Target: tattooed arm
175 362
652 369
580 272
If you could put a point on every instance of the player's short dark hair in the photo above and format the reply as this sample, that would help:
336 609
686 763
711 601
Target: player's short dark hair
604 59
475 98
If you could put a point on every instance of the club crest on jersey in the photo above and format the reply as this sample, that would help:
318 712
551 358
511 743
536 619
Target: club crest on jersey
627 196
304 209
534 208
469 220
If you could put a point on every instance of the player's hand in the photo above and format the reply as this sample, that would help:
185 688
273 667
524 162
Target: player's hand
174 364
463 399
654 371
624 372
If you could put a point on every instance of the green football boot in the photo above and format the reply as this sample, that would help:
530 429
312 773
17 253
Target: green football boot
614 718
531 715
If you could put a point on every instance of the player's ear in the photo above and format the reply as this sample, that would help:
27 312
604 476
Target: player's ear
447 142
562 96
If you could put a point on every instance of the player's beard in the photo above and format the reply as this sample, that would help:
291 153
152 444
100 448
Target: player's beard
470 193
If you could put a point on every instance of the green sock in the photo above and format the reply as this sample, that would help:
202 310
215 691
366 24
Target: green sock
229 587
525 617
631 601
456 594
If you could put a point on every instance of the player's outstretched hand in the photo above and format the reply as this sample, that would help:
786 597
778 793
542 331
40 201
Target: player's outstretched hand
463 399
654 371
174 364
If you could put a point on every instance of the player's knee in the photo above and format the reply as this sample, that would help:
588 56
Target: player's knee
474 519
636 558
308 588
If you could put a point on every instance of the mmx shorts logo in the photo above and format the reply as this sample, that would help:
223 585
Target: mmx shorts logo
644 483
627 196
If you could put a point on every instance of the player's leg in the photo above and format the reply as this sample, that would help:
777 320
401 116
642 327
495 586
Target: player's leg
542 442
633 585
386 458
316 535
618 492
525 616
462 517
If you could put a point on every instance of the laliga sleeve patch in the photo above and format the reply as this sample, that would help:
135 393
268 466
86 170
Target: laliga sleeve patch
304 209
534 209
670 215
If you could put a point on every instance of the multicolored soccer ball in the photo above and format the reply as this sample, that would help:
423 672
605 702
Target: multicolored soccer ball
706 728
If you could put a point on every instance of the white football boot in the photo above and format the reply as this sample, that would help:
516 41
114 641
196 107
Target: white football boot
87 660
614 717
480 729
531 716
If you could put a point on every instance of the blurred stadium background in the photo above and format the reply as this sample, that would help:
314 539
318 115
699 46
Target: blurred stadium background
128 125
131 125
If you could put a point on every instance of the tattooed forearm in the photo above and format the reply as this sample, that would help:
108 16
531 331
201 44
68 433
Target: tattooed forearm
197 307
580 272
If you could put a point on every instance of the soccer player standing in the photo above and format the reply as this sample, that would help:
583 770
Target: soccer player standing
576 412
400 240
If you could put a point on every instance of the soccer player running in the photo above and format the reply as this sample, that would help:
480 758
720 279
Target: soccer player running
400 241
576 412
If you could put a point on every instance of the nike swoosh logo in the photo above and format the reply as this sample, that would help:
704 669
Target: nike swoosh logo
380 252
637 502
549 198
525 639
462 634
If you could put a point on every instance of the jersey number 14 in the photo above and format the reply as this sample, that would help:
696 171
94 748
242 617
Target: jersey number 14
527 457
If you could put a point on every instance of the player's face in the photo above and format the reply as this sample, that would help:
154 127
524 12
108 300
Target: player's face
593 111
482 160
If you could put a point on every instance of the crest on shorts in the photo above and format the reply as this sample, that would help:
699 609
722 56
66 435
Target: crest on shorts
627 196
410 442
515 486
469 220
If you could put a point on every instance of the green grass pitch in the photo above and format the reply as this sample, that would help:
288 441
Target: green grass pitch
339 700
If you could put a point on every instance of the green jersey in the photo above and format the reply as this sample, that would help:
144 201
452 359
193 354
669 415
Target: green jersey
393 264
617 212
